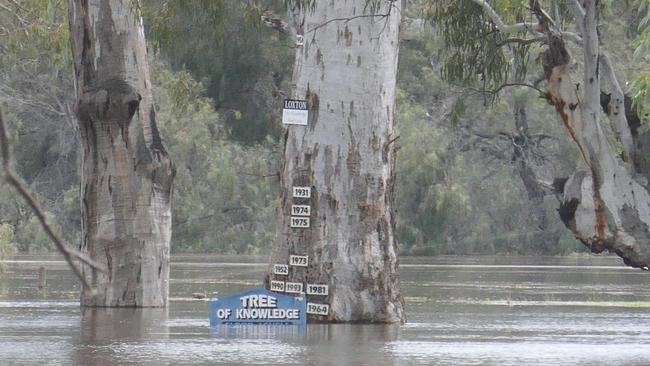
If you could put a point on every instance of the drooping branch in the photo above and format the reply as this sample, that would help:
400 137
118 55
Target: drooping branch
500 24
536 27
69 254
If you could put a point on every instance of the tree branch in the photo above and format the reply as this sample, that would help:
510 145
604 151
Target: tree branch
69 254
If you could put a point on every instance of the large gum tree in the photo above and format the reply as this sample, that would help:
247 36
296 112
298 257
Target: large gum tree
345 68
605 203
126 173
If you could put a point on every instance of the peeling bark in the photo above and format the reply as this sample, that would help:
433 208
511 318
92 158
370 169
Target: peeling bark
126 175
604 206
346 155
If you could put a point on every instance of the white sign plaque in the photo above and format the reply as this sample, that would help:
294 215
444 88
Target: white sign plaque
281 269
277 286
295 112
300 210
301 192
313 289
317 309
293 288
298 260
299 222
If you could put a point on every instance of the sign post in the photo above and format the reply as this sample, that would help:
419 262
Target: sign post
258 306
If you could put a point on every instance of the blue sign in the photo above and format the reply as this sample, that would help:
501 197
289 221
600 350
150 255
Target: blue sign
258 306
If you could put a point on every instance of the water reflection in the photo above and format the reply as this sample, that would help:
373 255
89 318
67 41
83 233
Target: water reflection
103 331
252 331
461 311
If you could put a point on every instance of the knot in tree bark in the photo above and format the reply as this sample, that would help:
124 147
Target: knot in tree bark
111 100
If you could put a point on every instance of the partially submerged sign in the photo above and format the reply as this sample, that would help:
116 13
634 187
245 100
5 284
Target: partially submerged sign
295 112
258 306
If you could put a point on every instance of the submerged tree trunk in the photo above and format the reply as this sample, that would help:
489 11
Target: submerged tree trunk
346 70
604 206
126 175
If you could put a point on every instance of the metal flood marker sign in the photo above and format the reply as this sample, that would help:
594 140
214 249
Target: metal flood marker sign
258 306
318 309
299 222
299 260
293 288
295 112
281 269
300 210
301 192
313 289
277 286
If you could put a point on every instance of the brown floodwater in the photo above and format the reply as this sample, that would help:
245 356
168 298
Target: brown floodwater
582 310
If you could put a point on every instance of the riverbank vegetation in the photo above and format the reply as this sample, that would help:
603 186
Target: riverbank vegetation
463 182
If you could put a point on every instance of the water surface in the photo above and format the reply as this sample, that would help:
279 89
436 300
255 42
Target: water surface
461 311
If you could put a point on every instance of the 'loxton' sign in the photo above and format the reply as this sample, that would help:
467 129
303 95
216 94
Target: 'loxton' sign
258 306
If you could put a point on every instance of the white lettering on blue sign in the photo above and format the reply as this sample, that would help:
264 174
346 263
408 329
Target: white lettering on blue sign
299 260
258 306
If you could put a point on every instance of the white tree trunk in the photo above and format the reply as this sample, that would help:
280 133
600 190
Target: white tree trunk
126 181
346 69
604 206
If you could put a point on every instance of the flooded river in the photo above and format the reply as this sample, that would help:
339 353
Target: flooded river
461 311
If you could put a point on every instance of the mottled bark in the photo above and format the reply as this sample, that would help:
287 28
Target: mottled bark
604 206
126 175
346 69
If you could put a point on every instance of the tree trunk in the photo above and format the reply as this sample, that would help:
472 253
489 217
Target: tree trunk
346 69
126 174
534 190
604 206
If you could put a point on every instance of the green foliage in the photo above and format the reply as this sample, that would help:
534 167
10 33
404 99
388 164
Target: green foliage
225 193
640 87
244 67
472 45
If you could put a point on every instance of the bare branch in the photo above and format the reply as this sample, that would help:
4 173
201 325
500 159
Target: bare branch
69 254
578 11
520 40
